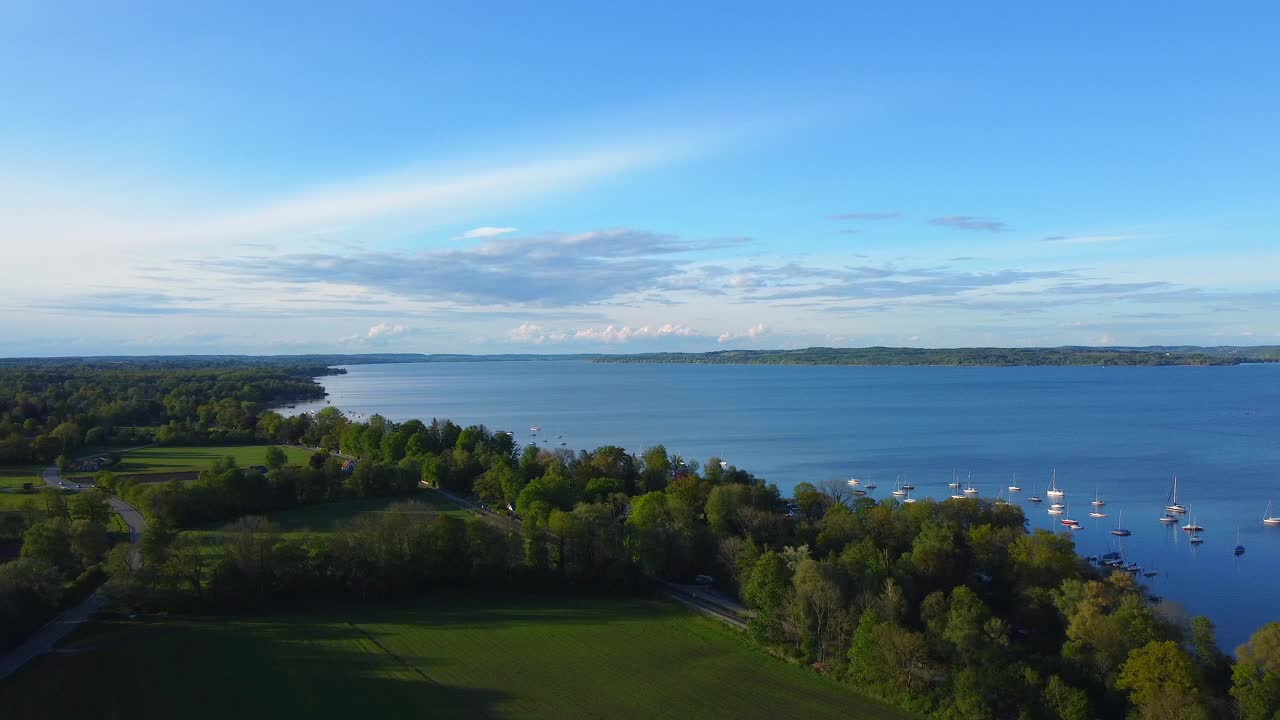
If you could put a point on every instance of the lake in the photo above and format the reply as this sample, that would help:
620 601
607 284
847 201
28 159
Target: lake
1122 432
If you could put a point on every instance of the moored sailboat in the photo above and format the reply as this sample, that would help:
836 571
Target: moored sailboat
1174 506
1053 490
1268 518
1119 528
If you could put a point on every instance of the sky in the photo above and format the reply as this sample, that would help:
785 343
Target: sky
222 177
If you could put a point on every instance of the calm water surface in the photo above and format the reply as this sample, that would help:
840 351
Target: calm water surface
1122 431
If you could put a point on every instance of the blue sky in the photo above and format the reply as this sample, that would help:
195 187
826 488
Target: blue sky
220 177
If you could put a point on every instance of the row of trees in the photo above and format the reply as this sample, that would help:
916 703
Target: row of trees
63 544
53 407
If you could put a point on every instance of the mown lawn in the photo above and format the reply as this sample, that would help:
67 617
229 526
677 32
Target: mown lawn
186 459
12 477
451 655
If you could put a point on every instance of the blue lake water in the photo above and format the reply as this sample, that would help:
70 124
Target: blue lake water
1124 431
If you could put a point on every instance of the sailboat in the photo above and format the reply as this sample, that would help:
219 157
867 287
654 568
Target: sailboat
1069 521
1268 518
955 483
1239 548
969 489
1095 513
1055 509
1033 498
1014 487
1196 539
897 489
1118 529
1174 506
908 498
870 485
1097 501
1192 527
1053 490
854 481
1168 519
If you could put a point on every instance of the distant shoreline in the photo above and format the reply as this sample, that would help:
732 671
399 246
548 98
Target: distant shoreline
1070 356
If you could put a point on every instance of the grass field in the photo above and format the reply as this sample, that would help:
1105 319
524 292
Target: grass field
186 459
327 517
13 476
452 655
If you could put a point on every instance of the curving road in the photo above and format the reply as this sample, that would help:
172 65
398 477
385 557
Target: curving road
58 628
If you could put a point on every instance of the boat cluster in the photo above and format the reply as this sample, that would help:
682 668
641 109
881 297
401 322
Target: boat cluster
1059 508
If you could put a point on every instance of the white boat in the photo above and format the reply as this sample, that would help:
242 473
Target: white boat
969 489
1053 490
854 481
1168 519
898 491
1268 518
1057 506
908 498
1174 506
959 496
1118 530
1192 527
535 428
1014 487
1097 514
1097 501
1055 510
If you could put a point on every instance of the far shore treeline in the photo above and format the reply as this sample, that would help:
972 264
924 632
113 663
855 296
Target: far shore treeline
947 609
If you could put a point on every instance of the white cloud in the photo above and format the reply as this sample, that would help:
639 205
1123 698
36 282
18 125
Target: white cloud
486 231
537 334
377 334
385 328
755 331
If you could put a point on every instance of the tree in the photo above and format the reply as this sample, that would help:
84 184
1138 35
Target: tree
91 506
722 508
49 542
765 591
1160 679
89 541
1263 649
965 620
1068 703
816 616
1256 675
276 457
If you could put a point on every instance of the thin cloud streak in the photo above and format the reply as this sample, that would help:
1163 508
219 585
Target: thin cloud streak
969 222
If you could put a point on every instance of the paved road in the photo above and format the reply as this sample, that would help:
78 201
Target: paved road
55 630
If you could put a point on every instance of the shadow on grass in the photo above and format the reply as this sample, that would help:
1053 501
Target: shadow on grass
239 668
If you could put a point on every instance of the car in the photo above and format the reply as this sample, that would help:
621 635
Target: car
704 580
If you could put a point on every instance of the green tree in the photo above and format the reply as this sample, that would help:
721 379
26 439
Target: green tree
49 542
765 591
723 505
1066 702
276 457
89 541
1160 680
92 506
